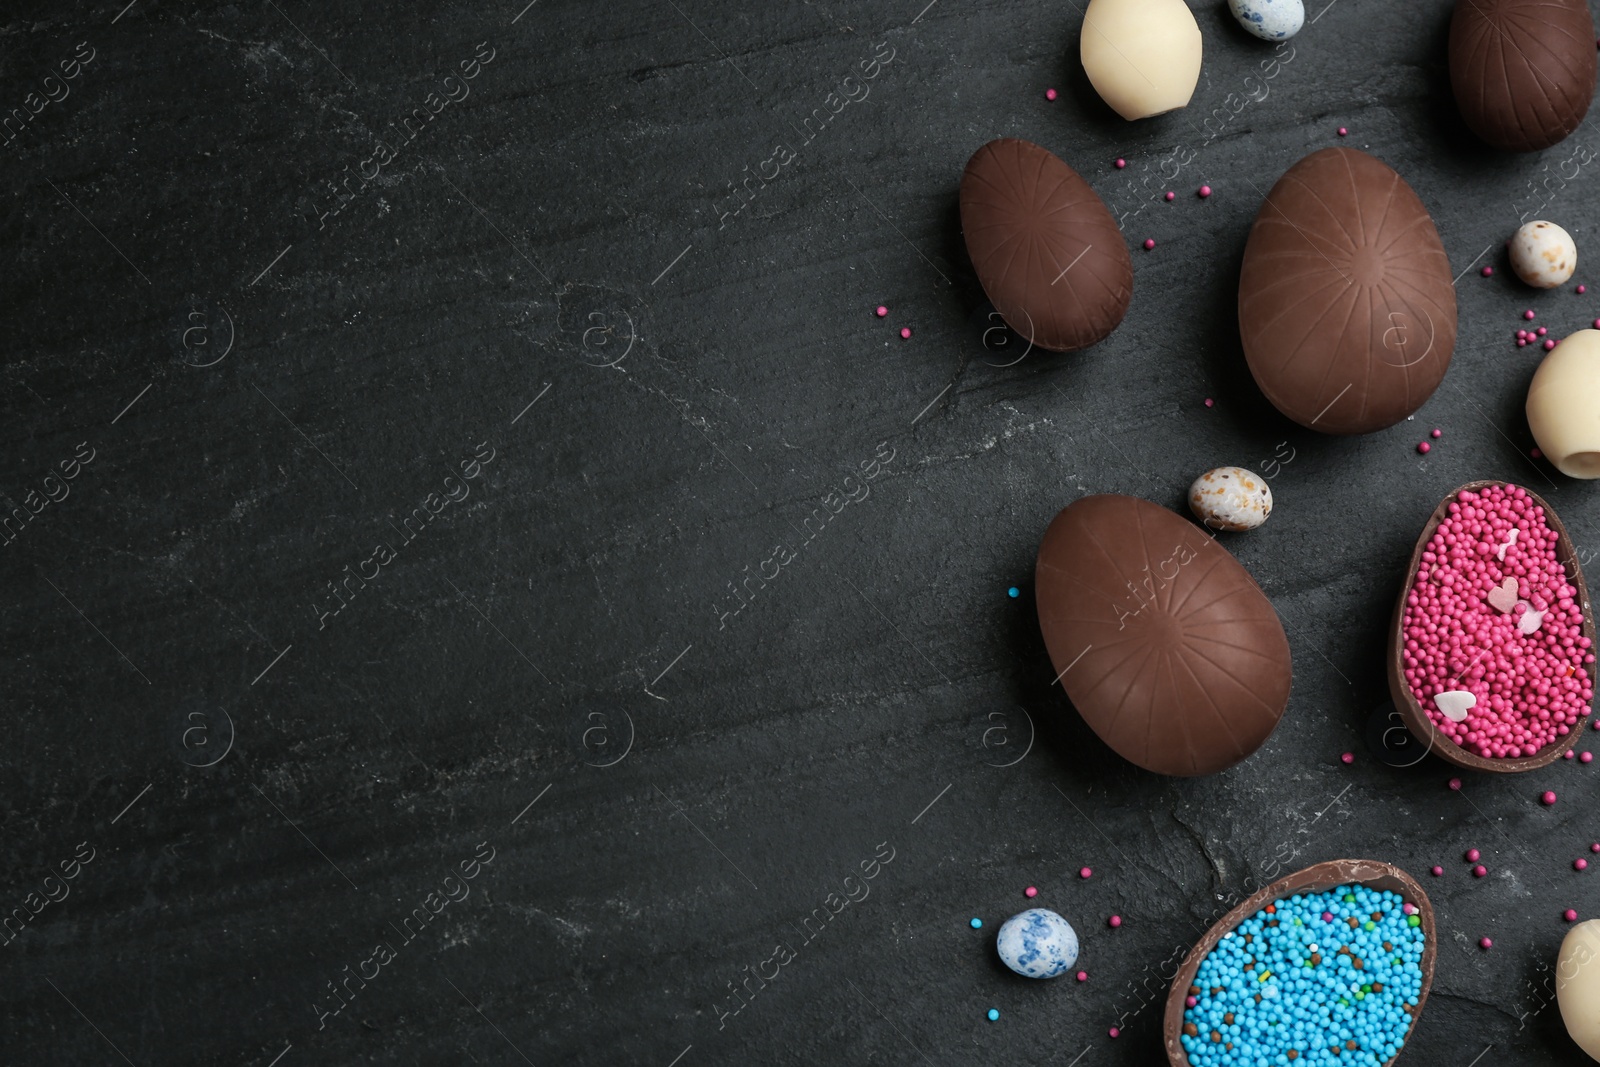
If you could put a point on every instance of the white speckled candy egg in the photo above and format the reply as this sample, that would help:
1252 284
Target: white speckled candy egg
1578 985
1230 498
1543 254
1270 20
1038 943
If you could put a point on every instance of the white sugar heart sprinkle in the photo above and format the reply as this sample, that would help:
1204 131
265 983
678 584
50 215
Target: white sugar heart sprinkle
1531 620
1511 539
1456 704
1503 597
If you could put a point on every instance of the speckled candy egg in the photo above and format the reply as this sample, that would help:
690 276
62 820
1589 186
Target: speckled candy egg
1038 943
1270 20
1230 498
1543 254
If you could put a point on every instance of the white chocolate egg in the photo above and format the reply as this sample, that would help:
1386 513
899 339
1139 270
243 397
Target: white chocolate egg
1230 498
1578 985
1270 20
1142 56
1564 405
1543 254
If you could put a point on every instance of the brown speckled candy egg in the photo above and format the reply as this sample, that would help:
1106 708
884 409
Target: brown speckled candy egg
1230 498
1543 254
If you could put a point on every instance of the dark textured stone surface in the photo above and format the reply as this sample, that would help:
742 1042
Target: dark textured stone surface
514 250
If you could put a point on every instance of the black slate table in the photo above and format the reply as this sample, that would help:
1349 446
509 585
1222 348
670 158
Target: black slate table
512 588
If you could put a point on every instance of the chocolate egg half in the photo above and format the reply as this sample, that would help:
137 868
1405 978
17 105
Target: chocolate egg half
1523 71
1347 310
1162 640
1046 250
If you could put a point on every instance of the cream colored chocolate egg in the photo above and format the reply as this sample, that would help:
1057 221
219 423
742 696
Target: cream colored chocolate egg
1230 498
1543 254
1142 56
1578 985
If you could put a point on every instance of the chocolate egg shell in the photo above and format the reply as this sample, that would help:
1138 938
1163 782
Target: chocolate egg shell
1347 310
1046 250
1162 640
1523 71
1314 879
1413 714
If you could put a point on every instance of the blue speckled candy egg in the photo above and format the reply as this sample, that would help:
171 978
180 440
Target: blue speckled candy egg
1270 20
1038 943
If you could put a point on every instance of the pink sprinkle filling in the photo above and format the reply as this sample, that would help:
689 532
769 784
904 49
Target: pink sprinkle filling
1531 688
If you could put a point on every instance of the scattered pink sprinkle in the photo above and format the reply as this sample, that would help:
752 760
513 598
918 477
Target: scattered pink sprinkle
1049 94
1409 908
1171 196
1190 1002
1327 916
1210 402
1121 163
1205 191
1536 454
1085 872
1521 334
1114 922
1582 289
1348 757
1597 324
1595 847
1541 331
1584 757
1569 915
905 333
1528 314
1484 942
1455 783
1343 131
1030 892
1437 871
1424 448
882 311
1479 871
1488 272
1549 344
1113 1031
1522 342
1580 865
1437 433
1548 798
1149 243
1569 754
1472 855
1083 976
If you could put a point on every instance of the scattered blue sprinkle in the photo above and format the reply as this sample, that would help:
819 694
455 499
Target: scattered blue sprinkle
977 924
1013 592
994 1013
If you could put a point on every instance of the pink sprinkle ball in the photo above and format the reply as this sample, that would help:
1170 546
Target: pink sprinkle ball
1528 314
1171 196
1580 865
1570 915
1548 345
1409 908
1343 131
1327 916
1479 871
1113 1031
1083 976
1582 289
1424 448
1348 757
1114 922
1121 163
1569 754
1536 454
905 333
1522 342
1437 433
1484 942
1205 191
1149 243
1030 892
1584 757
882 311
1210 402
1437 871
1548 798
1049 94
1085 873
1488 272
1541 331
1455 783
1190 1002
1597 324
1595 847
1529 688
1472 855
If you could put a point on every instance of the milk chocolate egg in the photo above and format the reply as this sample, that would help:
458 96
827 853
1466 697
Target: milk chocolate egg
1160 638
1046 250
1346 308
1578 985
1523 71
1142 56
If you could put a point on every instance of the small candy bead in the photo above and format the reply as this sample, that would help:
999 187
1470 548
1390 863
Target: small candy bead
882 311
1437 433
1528 314
1580 865
1484 942
1121 163
1349 757
1205 191
905 333
1584 757
1548 798
1479 871
1437 871
1570 915
1149 243
1343 131
1455 783
1472 855
1424 447
1030 892
1049 94
1171 196
1085 872
994 1013
977 924
1114 922
1083 976
1488 272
